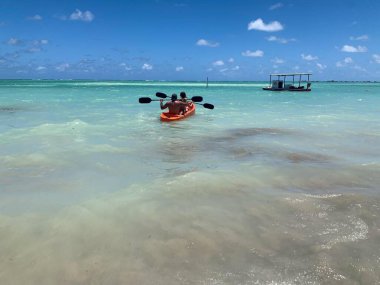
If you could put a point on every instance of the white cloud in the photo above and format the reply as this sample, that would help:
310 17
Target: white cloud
62 67
261 26
40 42
85 16
348 60
147 66
344 62
235 68
276 6
13 42
35 18
277 60
309 57
376 58
40 68
359 38
32 46
321 66
125 66
203 42
231 60
348 48
272 38
34 49
357 67
280 40
179 68
258 53
218 63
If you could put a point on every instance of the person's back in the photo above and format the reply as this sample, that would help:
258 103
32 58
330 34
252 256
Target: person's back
174 106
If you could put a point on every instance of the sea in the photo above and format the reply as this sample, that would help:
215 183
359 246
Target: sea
266 188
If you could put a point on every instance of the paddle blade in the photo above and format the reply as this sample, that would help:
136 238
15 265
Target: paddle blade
197 99
161 95
145 100
208 106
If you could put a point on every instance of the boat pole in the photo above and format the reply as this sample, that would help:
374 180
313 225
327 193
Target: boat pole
207 82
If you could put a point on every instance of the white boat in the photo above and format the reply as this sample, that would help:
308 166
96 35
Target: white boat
286 82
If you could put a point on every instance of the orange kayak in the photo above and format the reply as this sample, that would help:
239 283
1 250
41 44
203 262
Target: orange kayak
167 117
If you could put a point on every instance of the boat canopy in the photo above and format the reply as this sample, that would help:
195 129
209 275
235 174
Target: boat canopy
289 74
284 75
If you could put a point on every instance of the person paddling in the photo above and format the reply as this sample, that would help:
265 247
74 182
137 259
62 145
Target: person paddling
175 106
183 99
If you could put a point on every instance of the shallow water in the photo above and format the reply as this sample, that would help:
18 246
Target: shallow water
267 188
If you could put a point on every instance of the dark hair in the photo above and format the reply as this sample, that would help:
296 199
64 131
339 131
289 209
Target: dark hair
182 94
174 97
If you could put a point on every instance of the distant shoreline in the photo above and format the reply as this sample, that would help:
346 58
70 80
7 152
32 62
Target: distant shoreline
179 81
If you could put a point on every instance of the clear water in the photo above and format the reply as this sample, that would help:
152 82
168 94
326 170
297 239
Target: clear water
267 188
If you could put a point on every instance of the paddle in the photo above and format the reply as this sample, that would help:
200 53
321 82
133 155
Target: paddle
145 100
206 105
194 98
161 95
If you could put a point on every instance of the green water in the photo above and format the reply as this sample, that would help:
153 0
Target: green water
267 188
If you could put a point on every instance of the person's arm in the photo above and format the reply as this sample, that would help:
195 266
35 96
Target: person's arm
163 106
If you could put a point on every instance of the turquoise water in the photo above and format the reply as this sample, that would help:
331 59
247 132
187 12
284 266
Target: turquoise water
267 188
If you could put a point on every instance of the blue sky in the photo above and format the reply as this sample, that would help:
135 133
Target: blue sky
189 39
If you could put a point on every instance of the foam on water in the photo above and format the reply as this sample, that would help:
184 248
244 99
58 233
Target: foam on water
267 188
200 227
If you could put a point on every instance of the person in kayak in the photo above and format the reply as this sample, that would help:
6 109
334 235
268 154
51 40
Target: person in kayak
175 106
183 99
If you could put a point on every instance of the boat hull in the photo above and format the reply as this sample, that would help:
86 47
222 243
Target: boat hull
167 117
291 90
